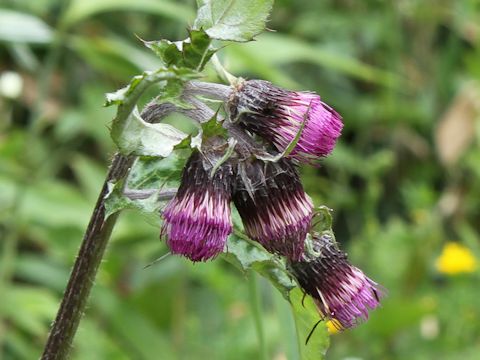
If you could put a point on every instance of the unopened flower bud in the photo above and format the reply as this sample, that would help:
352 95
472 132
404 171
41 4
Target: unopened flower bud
197 221
341 291
278 115
274 209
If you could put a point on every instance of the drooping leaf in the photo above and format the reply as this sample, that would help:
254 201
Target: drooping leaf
306 316
246 256
130 132
234 20
137 137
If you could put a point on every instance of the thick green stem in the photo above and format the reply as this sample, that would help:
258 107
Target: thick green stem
256 308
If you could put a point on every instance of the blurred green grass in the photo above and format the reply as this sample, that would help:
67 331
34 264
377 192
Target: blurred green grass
403 181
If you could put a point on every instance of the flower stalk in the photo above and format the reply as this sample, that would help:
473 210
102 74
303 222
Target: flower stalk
93 247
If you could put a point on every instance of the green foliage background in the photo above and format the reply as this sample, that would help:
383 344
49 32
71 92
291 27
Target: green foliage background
403 180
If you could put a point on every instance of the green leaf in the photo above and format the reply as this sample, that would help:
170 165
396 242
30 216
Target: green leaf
146 173
197 51
154 173
322 219
131 134
234 20
192 53
213 128
246 256
306 316
130 94
23 28
208 129
82 9
168 51
137 137
116 201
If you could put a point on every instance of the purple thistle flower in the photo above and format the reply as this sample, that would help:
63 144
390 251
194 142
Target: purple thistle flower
340 290
197 220
278 115
274 209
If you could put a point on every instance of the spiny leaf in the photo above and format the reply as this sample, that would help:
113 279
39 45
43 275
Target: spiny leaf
192 53
197 52
168 51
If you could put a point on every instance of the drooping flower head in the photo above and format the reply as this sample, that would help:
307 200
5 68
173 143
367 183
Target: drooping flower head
278 115
274 209
342 292
197 220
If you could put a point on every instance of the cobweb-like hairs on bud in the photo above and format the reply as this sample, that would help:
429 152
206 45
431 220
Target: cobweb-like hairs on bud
274 209
278 115
197 221
340 290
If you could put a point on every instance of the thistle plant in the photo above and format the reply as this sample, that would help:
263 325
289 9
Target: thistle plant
251 137
197 220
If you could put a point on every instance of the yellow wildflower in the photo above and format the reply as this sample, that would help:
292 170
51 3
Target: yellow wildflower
333 326
456 258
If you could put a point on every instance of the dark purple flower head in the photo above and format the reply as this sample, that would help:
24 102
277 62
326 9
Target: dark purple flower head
277 115
340 290
198 220
274 209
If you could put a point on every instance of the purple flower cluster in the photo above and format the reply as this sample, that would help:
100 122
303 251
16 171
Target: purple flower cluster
340 290
269 196
278 115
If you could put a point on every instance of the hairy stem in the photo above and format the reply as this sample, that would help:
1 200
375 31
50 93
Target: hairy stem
95 241
85 268
90 255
